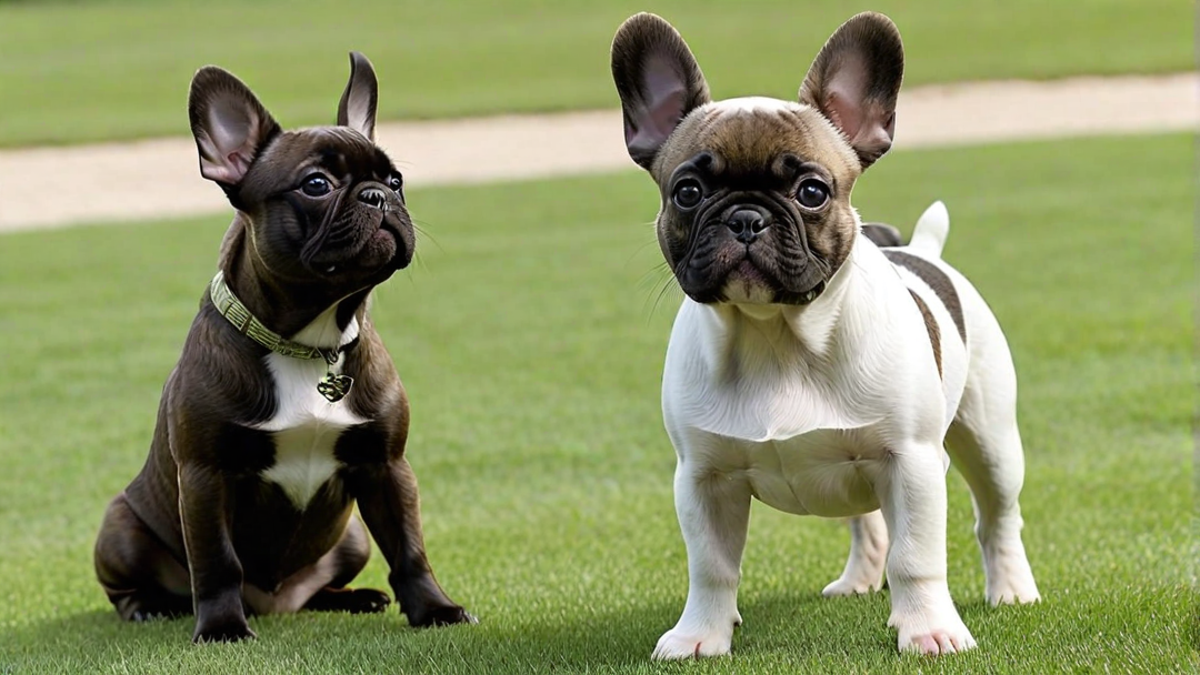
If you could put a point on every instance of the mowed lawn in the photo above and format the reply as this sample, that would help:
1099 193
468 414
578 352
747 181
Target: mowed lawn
113 69
531 346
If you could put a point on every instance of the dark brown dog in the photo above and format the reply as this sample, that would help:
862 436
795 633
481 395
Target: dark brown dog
285 408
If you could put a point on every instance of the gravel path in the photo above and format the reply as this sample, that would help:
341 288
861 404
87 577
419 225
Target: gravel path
56 187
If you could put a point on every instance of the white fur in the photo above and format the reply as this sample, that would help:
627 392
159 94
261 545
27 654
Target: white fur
837 409
929 236
306 426
755 104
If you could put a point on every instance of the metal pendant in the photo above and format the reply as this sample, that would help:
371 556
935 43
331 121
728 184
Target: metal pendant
335 387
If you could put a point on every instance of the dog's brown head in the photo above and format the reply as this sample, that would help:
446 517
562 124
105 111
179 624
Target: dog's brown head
756 191
322 205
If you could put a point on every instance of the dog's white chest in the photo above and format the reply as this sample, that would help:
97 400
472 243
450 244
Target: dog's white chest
306 426
798 404
825 472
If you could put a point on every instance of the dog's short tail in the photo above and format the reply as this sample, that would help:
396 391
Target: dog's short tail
929 236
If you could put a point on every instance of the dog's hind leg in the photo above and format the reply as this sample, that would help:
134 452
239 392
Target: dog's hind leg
348 558
321 586
139 574
868 557
985 445
991 460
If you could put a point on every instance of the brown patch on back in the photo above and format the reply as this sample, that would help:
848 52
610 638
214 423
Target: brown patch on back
935 335
936 280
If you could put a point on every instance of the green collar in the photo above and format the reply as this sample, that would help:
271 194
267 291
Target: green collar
333 387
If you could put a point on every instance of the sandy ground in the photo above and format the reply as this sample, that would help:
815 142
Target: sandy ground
56 187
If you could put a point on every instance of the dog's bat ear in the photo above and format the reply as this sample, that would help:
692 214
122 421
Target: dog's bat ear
658 80
357 108
229 124
855 80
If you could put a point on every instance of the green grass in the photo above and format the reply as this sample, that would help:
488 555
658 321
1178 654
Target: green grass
532 353
116 69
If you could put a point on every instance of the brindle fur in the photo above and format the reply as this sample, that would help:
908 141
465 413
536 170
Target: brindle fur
755 157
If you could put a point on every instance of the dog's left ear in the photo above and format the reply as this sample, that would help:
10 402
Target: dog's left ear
357 108
855 80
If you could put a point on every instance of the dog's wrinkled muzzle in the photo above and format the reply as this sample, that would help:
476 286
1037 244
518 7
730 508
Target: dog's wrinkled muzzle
350 233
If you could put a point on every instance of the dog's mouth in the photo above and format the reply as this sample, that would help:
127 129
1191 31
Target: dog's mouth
748 272
362 240
384 247
387 230
748 282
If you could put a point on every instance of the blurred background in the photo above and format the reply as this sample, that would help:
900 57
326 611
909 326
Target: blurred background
107 69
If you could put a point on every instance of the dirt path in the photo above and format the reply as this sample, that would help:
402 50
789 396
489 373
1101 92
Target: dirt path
55 187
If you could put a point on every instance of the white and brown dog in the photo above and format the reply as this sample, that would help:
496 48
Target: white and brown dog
808 367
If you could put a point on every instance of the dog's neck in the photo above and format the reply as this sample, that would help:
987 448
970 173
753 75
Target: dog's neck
290 310
777 336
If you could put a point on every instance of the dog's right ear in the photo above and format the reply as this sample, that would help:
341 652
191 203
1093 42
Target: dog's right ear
658 80
229 124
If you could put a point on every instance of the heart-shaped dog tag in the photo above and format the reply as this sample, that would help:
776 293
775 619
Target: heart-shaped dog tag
335 387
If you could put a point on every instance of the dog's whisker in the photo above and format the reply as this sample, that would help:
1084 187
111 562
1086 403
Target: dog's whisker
418 227
640 248
662 293
654 275
418 263
660 281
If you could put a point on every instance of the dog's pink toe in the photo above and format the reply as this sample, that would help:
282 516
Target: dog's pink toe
938 643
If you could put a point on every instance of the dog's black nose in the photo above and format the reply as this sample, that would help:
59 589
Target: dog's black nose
747 224
373 197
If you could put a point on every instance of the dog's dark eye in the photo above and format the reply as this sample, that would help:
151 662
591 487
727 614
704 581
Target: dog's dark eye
316 185
395 182
687 194
812 193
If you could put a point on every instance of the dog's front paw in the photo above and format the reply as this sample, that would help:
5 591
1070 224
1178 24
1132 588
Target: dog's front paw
442 616
948 635
678 644
226 631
